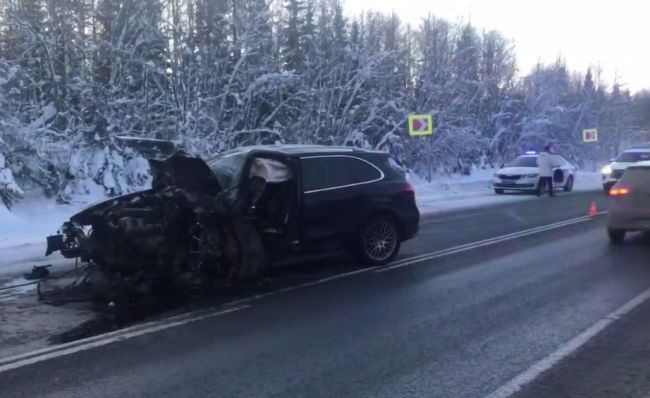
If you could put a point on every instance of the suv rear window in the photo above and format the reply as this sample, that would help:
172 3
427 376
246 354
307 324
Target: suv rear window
633 157
330 172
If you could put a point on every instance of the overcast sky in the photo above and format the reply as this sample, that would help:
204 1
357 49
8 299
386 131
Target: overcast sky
612 33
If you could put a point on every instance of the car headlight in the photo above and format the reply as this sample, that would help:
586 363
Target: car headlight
531 176
606 170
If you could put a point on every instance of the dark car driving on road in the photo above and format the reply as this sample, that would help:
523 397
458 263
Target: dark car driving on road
243 211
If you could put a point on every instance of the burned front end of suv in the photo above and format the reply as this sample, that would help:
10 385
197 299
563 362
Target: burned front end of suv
185 230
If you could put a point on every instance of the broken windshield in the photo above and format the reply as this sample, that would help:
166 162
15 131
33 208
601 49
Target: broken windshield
228 169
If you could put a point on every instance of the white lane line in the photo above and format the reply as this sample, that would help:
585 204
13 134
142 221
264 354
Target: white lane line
36 356
529 375
30 358
474 245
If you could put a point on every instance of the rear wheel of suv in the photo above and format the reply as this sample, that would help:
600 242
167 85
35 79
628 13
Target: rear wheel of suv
379 240
616 236
498 191
568 187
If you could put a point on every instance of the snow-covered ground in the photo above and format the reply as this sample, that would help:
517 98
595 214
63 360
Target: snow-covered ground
23 232
448 193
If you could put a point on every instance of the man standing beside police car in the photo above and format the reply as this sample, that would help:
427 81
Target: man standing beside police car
546 162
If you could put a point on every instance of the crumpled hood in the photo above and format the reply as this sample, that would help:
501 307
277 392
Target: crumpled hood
184 172
84 216
178 171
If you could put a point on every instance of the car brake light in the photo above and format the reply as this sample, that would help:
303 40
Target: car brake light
619 192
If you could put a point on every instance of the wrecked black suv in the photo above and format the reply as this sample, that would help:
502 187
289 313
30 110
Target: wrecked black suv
232 216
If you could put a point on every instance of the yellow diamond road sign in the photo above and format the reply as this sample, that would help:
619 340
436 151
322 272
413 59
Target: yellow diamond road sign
590 135
420 125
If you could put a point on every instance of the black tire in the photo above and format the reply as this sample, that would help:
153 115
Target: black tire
498 191
568 187
616 236
379 240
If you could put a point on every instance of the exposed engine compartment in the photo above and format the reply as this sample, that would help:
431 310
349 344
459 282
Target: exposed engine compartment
183 231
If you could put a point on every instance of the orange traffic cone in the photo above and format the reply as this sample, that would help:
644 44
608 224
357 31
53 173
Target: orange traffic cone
593 212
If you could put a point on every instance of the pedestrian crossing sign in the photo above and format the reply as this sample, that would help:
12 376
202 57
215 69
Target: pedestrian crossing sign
590 135
420 125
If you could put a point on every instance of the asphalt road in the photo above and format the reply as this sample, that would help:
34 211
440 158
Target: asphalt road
458 325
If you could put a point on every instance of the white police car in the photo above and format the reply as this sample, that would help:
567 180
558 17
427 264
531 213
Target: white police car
522 174
614 171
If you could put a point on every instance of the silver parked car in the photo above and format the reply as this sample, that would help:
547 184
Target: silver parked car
629 203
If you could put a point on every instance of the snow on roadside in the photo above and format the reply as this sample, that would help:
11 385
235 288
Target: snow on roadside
32 219
23 231
588 181
449 193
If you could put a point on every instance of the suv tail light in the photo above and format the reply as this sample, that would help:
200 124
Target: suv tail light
409 191
618 192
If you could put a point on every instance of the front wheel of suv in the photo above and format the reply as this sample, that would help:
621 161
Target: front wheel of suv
379 240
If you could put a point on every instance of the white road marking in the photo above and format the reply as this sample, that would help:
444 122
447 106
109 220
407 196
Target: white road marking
44 354
474 245
529 375
30 358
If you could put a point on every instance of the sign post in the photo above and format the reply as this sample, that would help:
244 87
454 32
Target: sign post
590 136
423 126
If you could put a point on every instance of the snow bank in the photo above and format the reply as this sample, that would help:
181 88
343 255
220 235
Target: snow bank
455 192
23 232
33 218
588 181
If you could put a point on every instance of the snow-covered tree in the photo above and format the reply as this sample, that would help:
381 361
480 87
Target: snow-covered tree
9 190
215 74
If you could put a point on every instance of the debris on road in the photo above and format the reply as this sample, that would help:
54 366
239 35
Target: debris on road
38 272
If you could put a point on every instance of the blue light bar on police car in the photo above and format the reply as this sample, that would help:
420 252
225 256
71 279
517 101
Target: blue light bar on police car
531 153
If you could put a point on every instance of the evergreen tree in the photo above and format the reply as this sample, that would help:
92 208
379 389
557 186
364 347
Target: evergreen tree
292 49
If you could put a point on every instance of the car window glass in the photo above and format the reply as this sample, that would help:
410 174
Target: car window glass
362 171
524 161
228 169
335 171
